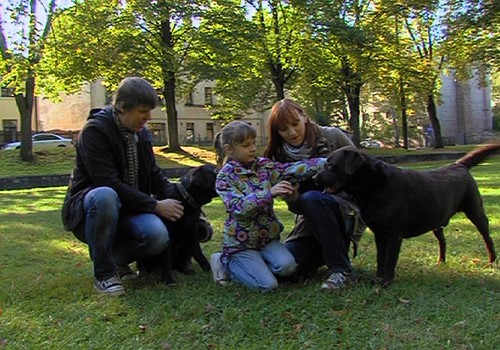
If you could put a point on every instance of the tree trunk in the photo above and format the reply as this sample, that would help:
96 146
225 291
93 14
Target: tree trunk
404 117
25 107
168 70
431 110
279 86
278 78
352 89
173 131
353 101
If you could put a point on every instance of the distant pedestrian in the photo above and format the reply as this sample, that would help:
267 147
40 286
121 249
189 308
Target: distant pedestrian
429 136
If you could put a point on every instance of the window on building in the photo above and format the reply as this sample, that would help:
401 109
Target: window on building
7 92
210 132
108 97
9 128
189 99
158 131
161 100
189 132
208 96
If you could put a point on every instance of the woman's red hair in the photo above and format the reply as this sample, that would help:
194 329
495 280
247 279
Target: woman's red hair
285 112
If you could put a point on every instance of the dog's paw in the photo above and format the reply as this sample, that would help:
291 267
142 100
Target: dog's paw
189 271
381 282
169 281
385 283
185 268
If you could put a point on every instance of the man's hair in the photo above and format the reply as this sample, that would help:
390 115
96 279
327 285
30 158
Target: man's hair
133 92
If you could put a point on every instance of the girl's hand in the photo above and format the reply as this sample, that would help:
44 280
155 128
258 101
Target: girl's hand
283 189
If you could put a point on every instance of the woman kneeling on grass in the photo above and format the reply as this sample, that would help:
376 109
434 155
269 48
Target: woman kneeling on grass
326 222
252 252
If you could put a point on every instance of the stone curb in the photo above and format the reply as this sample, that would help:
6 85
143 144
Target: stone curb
35 181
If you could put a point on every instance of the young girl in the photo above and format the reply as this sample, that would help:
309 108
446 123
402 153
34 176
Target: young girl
252 252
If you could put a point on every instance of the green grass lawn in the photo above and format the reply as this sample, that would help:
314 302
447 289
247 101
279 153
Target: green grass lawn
47 300
61 160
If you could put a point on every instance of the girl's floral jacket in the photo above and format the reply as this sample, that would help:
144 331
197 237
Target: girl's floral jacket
245 190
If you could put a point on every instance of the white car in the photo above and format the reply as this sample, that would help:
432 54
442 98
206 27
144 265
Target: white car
43 141
369 143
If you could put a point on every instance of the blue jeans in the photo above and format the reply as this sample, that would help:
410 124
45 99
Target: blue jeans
116 238
256 269
330 244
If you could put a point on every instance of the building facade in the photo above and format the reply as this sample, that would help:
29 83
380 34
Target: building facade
464 111
68 116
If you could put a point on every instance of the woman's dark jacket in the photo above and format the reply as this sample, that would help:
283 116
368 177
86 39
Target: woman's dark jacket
101 161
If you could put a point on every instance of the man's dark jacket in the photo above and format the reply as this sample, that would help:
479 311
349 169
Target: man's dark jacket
101 161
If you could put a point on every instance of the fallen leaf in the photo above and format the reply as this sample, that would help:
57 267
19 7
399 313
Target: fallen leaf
166 346
339 312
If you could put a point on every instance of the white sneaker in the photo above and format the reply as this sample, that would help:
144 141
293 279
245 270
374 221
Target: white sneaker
219 275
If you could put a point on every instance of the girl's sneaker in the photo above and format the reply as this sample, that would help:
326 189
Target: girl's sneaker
219 274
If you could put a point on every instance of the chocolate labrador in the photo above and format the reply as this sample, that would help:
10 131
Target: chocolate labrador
398 203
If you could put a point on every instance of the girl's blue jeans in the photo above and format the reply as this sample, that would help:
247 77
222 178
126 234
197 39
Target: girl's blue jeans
257 269
116 238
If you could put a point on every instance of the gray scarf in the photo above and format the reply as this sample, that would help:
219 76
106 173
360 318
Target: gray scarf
296 153
131 139
322 148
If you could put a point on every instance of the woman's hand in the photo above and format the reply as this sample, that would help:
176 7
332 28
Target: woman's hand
170 209
283 189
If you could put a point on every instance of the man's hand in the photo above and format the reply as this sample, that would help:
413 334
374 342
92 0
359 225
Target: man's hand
170 209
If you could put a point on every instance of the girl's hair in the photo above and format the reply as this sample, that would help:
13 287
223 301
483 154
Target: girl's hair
285 112
133 92
232 134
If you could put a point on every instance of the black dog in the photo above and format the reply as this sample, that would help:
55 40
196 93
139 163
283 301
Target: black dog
195 189
399 203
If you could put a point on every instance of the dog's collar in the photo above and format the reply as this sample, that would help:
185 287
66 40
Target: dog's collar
186 196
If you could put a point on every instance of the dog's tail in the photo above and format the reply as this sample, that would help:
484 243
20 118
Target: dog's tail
478 155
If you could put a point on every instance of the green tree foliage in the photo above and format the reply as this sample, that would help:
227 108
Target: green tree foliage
21 51
251 50
114 39
334 57
344 30
473 28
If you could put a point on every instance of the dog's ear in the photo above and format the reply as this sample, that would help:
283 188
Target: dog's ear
353 159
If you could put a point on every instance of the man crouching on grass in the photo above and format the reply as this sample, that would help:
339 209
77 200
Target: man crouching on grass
110 203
